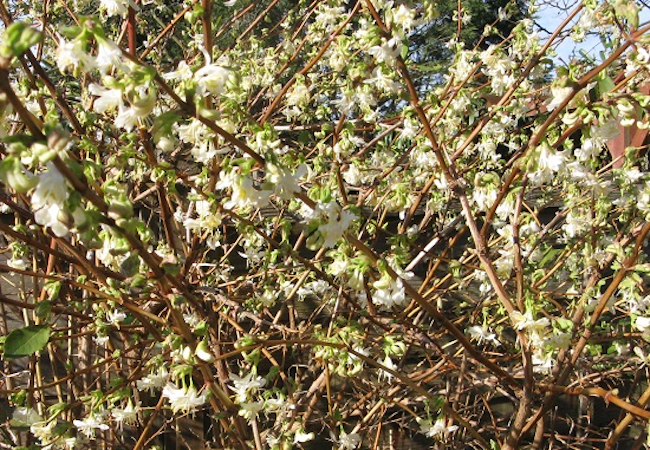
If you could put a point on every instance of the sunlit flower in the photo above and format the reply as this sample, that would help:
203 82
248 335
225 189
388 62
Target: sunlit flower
559 95
182 73
403 16
548 163
348 441
301 436
246 385
115 7
107 99
202 352
153 380
186 400
90 425
526 322
48 200
127 415
387 52
127 118
244 194
337 222
115 317
211 79
72 54
481 334
109 55
542 363
285 184
249 410
642 323
17 263
389 292
436 429
389 364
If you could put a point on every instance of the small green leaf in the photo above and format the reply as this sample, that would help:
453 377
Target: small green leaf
26 341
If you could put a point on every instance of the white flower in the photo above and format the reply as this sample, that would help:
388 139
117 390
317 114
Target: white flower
558 340
115 317
383 81
49 215
127 118
90 424
599 135
298 95
301 436
542 363
109 55
575 224
51 188
386 53
284 182
348 441
244 193
642 323
101 340
559 95
211 79
182 73
249 410
43 430
243 386
19 264
389 364
435 429
549 161
389 292
115 7
48 200
338 221
153 381
194 132
275 403
526 322
203 353
403 16
535 329
352 175
186 400
192 319
483 334
72 54
127 415
107 99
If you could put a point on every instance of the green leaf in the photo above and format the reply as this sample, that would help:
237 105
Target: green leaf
26 341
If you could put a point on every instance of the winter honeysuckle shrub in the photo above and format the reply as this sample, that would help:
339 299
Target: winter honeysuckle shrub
330 221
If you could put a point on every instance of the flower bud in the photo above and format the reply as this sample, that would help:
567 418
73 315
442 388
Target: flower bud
203 353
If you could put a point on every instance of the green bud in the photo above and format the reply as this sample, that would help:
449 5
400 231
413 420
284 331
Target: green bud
13 173
203 352
42 152
121 208
17 39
